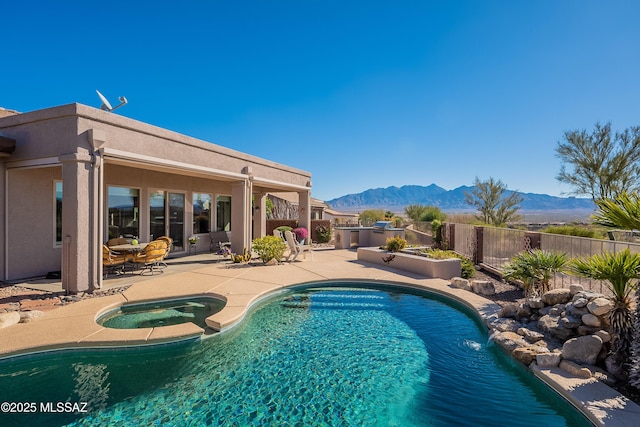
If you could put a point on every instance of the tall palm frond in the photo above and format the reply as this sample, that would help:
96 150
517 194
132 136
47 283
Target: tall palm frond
621 212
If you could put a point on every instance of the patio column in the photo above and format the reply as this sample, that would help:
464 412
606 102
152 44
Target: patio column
260 215
304 210
80 241
240 216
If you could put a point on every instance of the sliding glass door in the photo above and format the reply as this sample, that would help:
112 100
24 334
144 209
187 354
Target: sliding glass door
166 211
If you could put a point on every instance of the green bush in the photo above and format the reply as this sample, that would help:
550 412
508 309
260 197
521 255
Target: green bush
268 248
570 230
468 269
323 234
436 232
431 213
395 244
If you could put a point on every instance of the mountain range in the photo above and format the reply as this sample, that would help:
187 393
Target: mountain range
397 198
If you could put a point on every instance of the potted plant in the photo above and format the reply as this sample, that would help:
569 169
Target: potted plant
193 239
301 234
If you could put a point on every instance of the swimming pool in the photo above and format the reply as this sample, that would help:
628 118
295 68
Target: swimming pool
319 355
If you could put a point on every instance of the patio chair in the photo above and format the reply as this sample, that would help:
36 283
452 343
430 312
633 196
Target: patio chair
112 262
295 248
219 240
152 257
169 241
278 233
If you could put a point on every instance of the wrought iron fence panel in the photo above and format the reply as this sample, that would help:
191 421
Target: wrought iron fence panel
465 240
500 244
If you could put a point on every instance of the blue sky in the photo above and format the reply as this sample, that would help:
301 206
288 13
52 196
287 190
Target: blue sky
363 94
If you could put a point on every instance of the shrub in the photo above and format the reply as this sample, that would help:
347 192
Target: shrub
436 232
268 248
324 234
431 213
396 244
468 269
570 230
301 233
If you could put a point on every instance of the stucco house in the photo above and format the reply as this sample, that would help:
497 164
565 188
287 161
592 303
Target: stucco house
73 176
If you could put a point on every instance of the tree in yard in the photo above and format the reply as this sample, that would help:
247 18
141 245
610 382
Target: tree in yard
602 165
495 205
370 216
621 212
424 213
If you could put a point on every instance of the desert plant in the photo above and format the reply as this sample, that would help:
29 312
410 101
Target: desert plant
634 370
620 270
496 205
468 268
268 248
535 269
370 216
324 233
244 257
570 230
621 212
395 244
436 232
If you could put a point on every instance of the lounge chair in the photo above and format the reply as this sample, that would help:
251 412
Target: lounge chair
219 240
295 248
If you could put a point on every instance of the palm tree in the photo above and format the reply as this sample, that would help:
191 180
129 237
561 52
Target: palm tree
621 271
535 268
621 212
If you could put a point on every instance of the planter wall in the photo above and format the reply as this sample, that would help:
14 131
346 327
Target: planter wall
440 268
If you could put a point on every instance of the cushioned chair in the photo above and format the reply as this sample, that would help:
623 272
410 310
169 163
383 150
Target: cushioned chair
169 241
295 248
112 262
152 257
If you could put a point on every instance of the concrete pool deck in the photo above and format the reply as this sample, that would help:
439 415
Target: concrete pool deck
74 325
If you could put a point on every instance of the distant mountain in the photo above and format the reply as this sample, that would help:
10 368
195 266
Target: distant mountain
396 198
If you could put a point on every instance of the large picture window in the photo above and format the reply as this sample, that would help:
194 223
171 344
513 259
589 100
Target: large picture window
223 213
124 210
201 213
58 219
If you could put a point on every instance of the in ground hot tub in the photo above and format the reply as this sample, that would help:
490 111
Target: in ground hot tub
161 313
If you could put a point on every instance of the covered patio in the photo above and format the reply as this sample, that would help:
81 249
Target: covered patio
79 176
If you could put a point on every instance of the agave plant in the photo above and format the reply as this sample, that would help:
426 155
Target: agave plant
535 269
620 270
634 371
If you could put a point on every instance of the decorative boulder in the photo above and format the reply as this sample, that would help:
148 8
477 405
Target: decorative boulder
509 310
575 288
591 320
460 283
526 355
548 360
29 316
552 325
582 349
505 325
483 287
574 369
535 303
529 335
9 318
600 306
508 341
556 296
580 303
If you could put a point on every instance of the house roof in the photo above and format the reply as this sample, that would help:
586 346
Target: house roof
293 199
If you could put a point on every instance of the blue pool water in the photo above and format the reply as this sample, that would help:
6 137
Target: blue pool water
321 356
161 313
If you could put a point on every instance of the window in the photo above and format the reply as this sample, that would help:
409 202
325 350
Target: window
124 208
223 213
201 213
58 199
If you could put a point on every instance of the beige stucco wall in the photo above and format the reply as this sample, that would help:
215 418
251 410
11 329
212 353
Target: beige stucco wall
31 235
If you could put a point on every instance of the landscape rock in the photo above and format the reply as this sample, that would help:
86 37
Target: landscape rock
600 306
591 320
526 355
551 324
524 310
529 335
557 296
582 349
575 288
535 303
570 322
509 311
548 360
29 316
505 325
483 287
508 341
460 283
581 302
604 335
574 369
9 318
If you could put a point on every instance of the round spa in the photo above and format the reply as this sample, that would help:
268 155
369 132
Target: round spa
161 313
